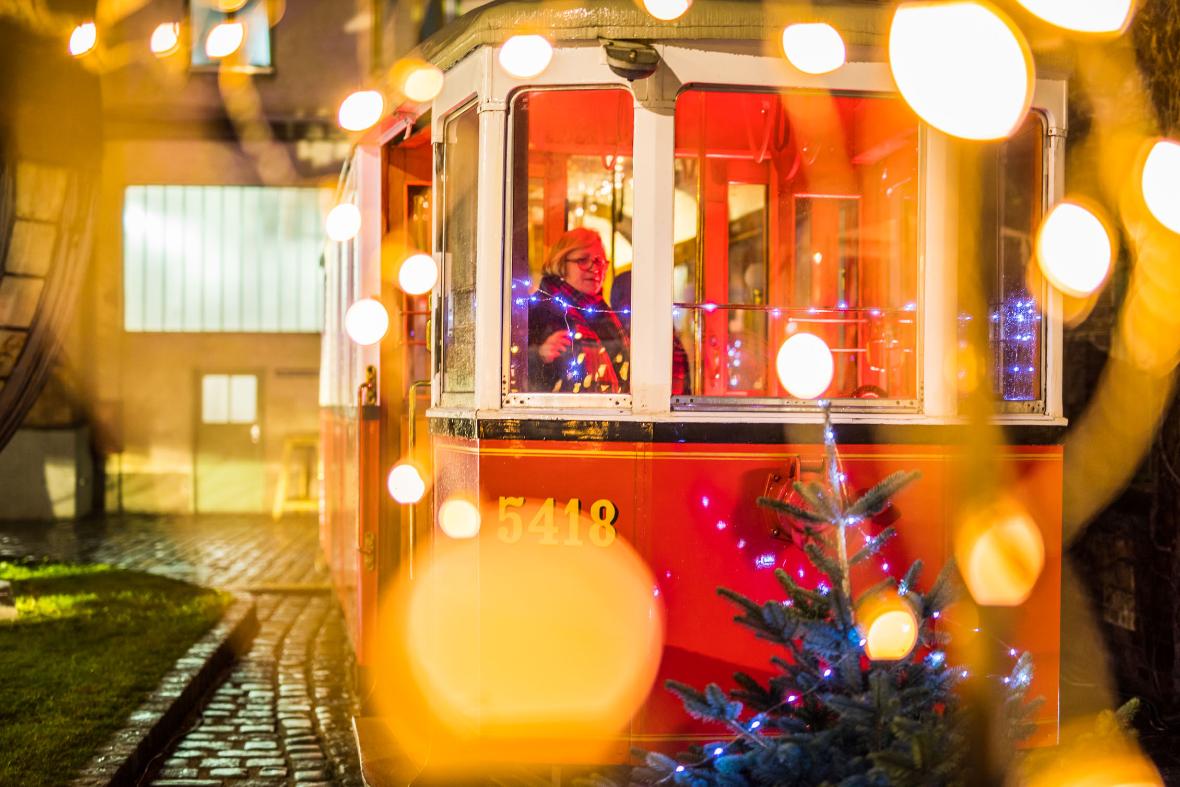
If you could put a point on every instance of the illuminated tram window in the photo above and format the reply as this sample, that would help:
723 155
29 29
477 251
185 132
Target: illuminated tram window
571 206
459 177
797 213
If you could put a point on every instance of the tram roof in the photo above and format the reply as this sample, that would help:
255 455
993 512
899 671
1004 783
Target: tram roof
860 22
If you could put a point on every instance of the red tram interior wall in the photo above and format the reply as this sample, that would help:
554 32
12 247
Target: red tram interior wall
690 511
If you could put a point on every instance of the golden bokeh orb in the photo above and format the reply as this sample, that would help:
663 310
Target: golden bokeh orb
814 47
525 56
418 274
805 366
667 10
963 67
165 39
224 39
459 518
406 484
1001 553
422 82
361 110
1161 183
1074 249
83 39
343 222
889 626
366 321
1083 16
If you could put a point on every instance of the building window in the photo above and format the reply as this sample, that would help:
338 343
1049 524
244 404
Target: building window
572 203
229 399
223 259
254 53
798 213
460 184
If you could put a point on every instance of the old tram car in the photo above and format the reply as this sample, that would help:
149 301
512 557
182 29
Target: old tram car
744 200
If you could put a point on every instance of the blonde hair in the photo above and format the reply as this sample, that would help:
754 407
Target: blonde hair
571 240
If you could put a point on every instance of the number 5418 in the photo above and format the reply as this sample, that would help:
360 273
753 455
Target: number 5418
550 526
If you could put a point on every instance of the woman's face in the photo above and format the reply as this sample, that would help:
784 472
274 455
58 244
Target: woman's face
585 269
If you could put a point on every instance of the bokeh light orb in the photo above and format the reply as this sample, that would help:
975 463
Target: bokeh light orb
518 653
224 39
418 274
1000 552
962 67
1083 16
459 518
165 38
83 39
406 484
526 56
813 48
889 626
366 321
360 110
805 366
666 10
343 222
1161 183
422 82
1074 249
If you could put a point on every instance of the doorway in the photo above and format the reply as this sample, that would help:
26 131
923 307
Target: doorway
229 475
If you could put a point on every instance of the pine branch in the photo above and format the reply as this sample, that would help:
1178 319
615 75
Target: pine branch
877 499
794 511
873 546
817 497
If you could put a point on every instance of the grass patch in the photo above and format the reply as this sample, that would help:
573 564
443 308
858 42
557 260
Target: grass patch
90 644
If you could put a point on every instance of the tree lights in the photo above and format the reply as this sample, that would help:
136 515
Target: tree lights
962 66
813 48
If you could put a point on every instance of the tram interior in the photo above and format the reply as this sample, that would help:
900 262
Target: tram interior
792 212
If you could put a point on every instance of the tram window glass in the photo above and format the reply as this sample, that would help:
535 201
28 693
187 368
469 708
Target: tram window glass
460 159
572 201
795 212
1014 197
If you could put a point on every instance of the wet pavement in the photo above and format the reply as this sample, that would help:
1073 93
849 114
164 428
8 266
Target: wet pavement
283 713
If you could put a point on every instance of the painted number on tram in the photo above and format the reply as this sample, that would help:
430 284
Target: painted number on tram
555 525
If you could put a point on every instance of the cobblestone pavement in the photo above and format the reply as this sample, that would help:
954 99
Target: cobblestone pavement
283 713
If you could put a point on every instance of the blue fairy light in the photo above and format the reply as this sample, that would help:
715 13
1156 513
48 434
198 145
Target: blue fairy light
936 658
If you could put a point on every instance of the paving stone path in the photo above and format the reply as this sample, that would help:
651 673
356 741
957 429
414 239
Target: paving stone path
283 713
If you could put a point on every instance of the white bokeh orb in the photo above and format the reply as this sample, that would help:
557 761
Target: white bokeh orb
83 39
525 56
343 222
1083 16
418 274
666 10
1161 183
405 484
459 518
1074 249
165 38
361 110
366 321
224 39
805 366
814 47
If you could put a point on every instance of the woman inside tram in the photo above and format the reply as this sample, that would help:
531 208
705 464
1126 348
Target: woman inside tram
577 343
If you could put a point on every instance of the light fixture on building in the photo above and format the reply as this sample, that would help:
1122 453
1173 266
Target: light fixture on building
805 366
667 10
1074 249
165 38
962 67
1090 16
83 39
526 56
366 321
224 39
418 274
343 222
814 47
361 110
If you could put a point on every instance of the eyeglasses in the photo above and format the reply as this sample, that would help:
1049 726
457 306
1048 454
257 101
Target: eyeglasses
588 263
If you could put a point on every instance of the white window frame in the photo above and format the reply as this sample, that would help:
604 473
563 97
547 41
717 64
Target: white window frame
731 67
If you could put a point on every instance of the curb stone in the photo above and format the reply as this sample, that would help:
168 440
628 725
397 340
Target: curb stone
156 721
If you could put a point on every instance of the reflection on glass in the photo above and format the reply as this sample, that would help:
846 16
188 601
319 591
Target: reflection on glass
571 251
459 188
799 213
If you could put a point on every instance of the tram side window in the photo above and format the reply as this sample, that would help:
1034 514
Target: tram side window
460 159
795 212
571 208
1014 197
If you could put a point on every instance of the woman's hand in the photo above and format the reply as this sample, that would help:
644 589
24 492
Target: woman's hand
557 343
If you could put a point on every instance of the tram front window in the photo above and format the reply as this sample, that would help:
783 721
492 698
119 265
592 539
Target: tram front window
795 213
571 207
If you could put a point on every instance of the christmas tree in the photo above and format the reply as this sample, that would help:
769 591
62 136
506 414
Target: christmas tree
863 693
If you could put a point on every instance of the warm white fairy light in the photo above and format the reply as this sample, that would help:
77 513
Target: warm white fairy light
813 48
224 39
525 56
405 484
343 222
361 110
962 67
1074 250
165 38
1083 16
83 39
1161 183
366 321
418 274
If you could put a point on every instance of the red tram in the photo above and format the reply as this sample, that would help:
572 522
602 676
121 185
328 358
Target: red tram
742 201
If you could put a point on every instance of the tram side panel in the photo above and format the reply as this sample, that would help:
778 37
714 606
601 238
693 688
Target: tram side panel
690 512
